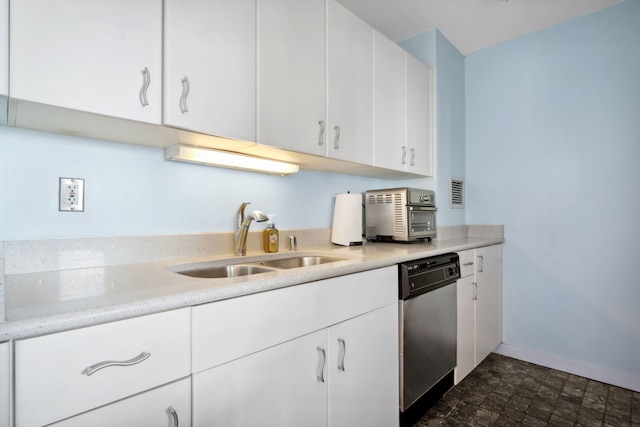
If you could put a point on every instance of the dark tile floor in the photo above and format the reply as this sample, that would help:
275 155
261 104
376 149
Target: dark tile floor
507 392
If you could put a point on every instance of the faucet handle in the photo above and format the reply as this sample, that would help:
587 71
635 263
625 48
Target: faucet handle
239 216
293 243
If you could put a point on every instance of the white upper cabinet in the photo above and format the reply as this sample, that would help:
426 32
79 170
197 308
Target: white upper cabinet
102 56
292 75
420 121
210 67
403 110
350 86
4 47
390 150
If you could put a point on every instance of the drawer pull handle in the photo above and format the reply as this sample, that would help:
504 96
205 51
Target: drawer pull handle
174 416
341 354
95 368
468 263
321 359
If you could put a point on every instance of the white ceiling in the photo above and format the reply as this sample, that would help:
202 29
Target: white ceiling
471 25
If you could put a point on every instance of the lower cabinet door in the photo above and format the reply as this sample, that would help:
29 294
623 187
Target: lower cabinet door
466 327
363 370
5 383
169 405
285 385
489 302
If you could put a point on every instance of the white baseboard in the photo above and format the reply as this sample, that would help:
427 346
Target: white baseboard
576 367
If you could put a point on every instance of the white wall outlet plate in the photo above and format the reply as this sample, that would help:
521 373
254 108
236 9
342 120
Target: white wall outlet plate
71 195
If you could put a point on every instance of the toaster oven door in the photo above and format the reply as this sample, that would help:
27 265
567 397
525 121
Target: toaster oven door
422 222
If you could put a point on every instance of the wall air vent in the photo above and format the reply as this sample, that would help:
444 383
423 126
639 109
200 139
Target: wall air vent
456 191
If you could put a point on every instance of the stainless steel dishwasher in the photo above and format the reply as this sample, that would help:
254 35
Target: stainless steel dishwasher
427 327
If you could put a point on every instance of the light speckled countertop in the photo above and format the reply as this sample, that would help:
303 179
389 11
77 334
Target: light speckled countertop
37 303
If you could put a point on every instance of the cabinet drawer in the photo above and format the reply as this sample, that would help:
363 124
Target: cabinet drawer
148 409
52 377
467 262
227 330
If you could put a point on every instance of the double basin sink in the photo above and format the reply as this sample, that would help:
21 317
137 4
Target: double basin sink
234 267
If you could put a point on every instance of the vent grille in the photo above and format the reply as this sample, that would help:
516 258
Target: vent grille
457 193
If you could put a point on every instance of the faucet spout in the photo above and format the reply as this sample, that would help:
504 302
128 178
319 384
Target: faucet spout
241 227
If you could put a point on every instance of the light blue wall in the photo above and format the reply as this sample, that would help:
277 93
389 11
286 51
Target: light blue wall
132 190
435 50
553 153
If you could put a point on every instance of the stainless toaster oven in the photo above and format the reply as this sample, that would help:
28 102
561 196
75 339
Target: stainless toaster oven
400 215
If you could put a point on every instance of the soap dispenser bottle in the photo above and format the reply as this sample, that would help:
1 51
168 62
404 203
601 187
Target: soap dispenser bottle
270 237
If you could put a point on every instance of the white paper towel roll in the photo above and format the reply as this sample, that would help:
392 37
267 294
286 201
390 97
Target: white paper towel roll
347 220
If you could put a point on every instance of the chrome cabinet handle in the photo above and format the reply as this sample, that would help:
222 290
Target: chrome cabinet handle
341 354
336 141
413 157
468 263
481 264
404 155
174 416
95 368
321 133
146 81
186 87
322 357
475 291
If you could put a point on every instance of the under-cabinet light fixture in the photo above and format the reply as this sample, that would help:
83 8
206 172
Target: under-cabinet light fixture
227 159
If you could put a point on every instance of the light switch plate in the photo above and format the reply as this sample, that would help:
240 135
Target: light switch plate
71 195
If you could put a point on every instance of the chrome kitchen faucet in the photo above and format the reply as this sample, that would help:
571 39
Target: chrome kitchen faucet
241 227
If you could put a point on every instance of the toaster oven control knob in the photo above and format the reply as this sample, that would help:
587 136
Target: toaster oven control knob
452 271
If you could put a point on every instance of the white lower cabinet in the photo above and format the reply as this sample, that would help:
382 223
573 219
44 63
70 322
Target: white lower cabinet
345 375
479 318
278 386
5 384
69 373
320 354
323 353
169 405
363 370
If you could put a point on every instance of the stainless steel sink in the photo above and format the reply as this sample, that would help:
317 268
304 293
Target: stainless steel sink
299 261
225 271
234 267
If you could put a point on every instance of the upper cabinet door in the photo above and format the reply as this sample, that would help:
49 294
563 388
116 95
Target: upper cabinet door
4 47
350 86
292 75
210 67
102 56
420 109
390 149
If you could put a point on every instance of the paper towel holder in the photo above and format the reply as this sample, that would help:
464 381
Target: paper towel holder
347 219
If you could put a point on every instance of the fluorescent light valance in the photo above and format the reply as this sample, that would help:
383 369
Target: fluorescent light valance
226 159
